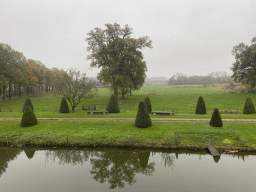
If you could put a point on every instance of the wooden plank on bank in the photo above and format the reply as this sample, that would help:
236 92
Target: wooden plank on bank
212 149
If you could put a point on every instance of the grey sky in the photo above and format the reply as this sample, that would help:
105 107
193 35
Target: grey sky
191 37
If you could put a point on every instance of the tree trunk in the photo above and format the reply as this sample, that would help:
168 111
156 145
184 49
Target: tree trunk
31 89
15 90
10 90
4 87
115 92
27 91
0 91
123 94
46 88
19 90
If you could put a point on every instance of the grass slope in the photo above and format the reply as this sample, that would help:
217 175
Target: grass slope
124 132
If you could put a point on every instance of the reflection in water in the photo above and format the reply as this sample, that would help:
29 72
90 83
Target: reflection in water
116 168
216 159
30 152
6 155
68 156
168 159
143 157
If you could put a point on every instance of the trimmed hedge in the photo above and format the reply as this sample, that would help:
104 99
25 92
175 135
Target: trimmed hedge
28 118
248 107
64 106
27 103
216 119
200 108
148 104
143 119
112 106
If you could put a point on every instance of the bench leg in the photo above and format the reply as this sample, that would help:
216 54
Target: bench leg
154 113
91 113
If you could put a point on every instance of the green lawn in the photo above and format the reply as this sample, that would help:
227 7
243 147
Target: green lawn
124 132
182 100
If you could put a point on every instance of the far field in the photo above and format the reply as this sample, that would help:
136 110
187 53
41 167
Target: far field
182 100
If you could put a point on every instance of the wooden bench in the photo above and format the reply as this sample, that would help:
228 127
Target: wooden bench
162 113
97 112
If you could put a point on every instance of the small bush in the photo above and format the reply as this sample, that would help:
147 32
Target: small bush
112 106
143 119
200 108
148 104
27 103
64 106
28 118
248 106
216 119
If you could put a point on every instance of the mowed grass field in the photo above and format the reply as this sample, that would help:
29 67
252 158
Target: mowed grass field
182 100
163 134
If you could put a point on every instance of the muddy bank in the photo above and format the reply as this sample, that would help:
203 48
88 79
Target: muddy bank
58 144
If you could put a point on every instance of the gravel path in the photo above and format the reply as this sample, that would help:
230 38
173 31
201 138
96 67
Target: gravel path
129 119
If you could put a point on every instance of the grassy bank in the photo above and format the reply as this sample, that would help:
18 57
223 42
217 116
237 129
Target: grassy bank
123 133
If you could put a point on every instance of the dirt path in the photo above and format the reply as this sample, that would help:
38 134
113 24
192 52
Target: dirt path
129 119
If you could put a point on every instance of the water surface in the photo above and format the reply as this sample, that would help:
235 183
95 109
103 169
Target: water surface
112 169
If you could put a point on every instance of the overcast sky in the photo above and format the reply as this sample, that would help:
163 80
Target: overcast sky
193 37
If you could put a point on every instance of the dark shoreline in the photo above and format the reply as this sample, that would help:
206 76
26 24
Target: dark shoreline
55 144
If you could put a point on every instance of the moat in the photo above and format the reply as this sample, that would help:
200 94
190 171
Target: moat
108 169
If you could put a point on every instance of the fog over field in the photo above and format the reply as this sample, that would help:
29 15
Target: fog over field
193 37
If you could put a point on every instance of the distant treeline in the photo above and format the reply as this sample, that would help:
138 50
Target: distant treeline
19 75
212 78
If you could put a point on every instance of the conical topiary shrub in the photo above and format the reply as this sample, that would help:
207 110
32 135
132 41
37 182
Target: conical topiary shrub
148 104
28 118
248 106
112 106
200 108
216 119
27 103
143 119
64 106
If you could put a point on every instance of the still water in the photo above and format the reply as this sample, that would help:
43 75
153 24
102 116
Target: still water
111 169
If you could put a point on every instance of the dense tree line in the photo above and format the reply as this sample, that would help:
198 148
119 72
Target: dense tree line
212 78
19 75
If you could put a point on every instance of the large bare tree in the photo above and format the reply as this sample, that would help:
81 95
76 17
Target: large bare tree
75 87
